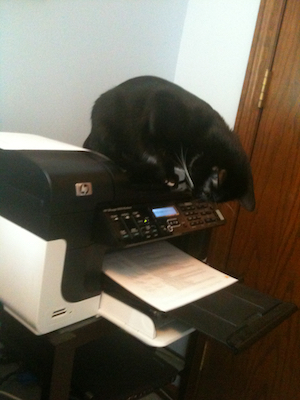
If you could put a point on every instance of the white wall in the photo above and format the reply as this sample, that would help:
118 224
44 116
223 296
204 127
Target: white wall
58 56
214 51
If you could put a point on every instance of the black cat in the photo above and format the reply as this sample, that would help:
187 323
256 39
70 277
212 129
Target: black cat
154 129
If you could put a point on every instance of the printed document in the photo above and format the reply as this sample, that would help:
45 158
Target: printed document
163 276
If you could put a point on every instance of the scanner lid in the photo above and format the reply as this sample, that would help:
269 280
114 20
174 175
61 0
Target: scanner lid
41 178
55 181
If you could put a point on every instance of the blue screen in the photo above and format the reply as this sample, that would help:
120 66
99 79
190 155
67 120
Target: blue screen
164 211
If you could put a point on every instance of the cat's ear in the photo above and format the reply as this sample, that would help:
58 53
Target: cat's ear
218 177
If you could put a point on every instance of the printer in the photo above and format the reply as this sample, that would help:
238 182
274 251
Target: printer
64 209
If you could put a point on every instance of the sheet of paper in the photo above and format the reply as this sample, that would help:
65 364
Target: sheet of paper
163 276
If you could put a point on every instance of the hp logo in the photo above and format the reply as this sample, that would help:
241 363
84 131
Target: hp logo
83 189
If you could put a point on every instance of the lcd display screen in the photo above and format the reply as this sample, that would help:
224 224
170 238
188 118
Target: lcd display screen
164 211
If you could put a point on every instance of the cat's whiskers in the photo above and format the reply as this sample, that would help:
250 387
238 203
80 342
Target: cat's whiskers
182 160
229 206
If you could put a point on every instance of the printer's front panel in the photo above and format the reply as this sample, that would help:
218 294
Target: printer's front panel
131 225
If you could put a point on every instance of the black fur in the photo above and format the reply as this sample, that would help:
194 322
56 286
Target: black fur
150 126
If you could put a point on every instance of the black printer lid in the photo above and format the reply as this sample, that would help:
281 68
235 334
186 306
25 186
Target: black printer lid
53 193
49 178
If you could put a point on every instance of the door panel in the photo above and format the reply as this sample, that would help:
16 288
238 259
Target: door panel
267 242
261 57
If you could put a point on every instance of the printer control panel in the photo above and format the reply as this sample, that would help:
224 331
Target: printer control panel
134 224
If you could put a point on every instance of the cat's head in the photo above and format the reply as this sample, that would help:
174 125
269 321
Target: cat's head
222 184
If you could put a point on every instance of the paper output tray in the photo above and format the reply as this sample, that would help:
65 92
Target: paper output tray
236 316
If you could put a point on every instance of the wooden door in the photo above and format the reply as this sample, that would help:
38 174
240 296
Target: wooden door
265 245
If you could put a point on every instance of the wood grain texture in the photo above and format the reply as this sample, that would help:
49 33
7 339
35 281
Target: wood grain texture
265 246
267 241
248 116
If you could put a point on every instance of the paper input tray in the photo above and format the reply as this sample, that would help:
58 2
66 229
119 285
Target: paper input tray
236 316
